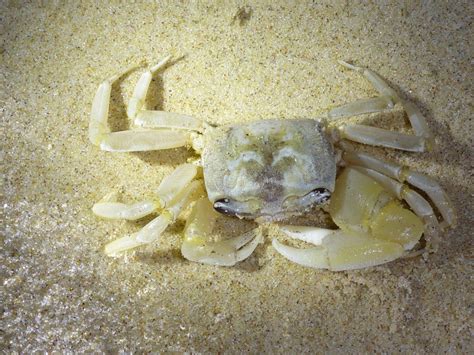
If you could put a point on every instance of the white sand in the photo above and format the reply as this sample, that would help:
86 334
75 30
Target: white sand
59 290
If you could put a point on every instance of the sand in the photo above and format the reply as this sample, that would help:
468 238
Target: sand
266 60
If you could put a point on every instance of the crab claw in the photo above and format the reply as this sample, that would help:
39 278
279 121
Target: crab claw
375 228
197 247
223 253
337 250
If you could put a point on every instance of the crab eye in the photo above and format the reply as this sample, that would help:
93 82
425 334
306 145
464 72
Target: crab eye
315 197
236 208
321 195
223 206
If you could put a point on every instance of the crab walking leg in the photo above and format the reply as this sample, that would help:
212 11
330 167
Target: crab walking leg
145 140
416 118
100 106
153 230
172 185
109 207
118 210
359 107
141 88
404 174
380 137
129 141
156 227
120 245
156 119
417 203
163 119
100 110
197 246
170 188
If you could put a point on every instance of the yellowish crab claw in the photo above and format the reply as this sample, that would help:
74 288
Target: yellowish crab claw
360 205
375 228
222 253
339 251
197 246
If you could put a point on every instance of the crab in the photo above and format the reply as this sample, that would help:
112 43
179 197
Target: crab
271 170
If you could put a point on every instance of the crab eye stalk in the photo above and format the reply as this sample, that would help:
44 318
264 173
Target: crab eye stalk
315 197
231 207
320 195
222 206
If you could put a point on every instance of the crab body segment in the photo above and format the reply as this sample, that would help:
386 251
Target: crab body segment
271 170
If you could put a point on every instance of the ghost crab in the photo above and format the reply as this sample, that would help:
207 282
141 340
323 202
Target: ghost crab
271 170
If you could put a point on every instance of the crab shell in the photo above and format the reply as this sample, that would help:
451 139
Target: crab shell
269 169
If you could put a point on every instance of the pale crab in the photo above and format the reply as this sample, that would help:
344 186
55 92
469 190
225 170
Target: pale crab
271 170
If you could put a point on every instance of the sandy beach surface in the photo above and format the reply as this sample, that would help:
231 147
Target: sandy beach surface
243 61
